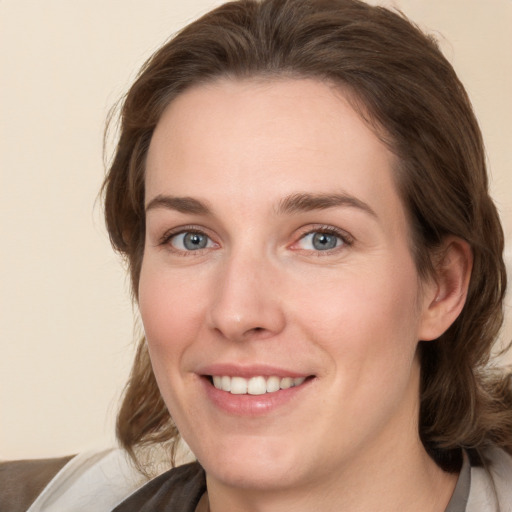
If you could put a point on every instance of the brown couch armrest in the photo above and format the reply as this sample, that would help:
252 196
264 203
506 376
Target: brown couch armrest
21 481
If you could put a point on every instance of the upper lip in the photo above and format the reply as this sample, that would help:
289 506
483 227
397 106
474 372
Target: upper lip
248 371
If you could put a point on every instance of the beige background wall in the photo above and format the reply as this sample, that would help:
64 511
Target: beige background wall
66 323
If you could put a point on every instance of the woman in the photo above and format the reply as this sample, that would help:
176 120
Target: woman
300 191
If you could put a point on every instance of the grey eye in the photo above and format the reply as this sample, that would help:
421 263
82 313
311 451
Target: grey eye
320 241
193 241
324 241
190 241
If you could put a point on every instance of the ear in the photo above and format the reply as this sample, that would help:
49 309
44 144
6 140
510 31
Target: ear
444 295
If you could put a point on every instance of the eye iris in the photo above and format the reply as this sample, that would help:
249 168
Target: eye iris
194 241
324 241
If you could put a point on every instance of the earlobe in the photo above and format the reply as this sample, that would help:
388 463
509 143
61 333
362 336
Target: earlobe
445 295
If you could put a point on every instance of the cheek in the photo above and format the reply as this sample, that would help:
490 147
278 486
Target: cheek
366 321
171 309
172 314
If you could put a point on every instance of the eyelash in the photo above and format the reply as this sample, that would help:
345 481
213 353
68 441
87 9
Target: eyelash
346 239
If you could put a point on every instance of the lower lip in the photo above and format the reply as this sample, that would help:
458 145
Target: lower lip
252 405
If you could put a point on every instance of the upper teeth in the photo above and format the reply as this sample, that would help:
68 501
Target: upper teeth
255 385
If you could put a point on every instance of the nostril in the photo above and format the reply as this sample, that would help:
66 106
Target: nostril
255 331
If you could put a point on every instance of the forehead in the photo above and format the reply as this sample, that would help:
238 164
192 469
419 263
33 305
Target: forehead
253 140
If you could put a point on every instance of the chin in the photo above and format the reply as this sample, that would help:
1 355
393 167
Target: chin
252 464
253 476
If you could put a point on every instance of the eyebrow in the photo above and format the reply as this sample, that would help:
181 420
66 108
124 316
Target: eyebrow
304 202
295 203
180 204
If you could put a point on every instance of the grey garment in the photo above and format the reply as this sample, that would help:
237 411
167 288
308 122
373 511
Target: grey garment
460 495
491 484
485 487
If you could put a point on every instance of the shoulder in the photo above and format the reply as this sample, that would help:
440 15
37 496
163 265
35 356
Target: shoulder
21 481
491 483
178 489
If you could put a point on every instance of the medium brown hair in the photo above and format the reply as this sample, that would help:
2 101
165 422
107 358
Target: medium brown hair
401 84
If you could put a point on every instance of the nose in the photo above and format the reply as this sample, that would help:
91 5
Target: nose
246 303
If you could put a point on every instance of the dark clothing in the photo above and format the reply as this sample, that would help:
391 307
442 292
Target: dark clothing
177 490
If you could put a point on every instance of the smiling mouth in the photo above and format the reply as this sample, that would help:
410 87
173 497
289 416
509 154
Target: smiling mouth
258 385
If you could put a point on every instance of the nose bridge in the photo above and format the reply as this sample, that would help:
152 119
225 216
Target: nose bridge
246 301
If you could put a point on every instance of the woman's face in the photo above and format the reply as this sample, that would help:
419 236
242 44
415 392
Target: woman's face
277 253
